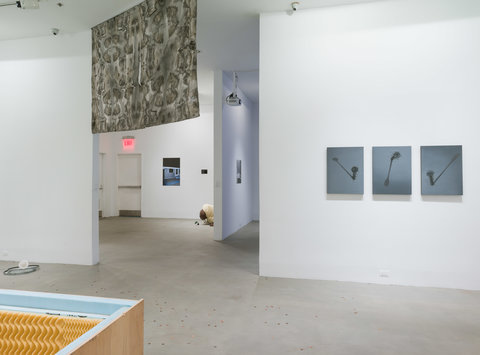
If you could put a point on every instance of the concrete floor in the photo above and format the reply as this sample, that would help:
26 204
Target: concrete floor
205 297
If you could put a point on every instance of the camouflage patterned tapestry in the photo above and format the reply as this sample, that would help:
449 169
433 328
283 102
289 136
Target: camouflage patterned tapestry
144 67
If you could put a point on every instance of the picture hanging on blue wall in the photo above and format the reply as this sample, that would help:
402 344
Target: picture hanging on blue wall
239 172
392 170
442 170
345 170
171 171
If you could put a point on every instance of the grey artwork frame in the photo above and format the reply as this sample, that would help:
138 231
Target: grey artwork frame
239 172
442 170
171 172
392 170
345 170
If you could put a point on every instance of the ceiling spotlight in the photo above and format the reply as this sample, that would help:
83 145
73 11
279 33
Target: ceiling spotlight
295 5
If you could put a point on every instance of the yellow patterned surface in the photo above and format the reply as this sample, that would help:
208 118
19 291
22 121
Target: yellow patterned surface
39 334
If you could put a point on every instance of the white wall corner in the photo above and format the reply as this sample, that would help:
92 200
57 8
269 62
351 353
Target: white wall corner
95 197
217 155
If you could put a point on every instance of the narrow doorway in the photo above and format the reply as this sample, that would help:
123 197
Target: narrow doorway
129 184
237 157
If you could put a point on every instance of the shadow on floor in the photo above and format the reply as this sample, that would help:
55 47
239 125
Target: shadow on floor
246 241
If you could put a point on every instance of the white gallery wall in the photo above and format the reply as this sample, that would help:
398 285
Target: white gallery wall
46 182
376 74
191 141
239 142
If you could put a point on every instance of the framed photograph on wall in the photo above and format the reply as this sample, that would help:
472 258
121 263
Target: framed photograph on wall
171 171
345 170
239 172
392 170
442 170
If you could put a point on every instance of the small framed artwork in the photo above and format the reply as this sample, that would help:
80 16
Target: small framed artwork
442 170
171 171
239 172
392 170
345 170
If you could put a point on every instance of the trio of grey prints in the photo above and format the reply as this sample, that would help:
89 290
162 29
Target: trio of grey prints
441 170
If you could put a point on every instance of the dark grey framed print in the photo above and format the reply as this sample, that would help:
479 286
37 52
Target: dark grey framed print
442 170
392 170
171 171
239 172
345 173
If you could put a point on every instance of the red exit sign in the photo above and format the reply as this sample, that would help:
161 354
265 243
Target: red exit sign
128 143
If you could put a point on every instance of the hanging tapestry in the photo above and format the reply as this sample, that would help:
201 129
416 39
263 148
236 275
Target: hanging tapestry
144 67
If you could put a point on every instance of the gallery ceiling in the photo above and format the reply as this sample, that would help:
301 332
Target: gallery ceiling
227 30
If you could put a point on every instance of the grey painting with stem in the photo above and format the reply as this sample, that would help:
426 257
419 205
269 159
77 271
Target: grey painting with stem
392 170
345 170
442 170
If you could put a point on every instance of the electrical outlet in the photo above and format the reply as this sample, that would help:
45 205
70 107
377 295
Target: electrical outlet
384 273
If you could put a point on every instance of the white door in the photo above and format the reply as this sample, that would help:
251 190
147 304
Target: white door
129 179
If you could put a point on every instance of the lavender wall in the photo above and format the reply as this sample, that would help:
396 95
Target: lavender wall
240 142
